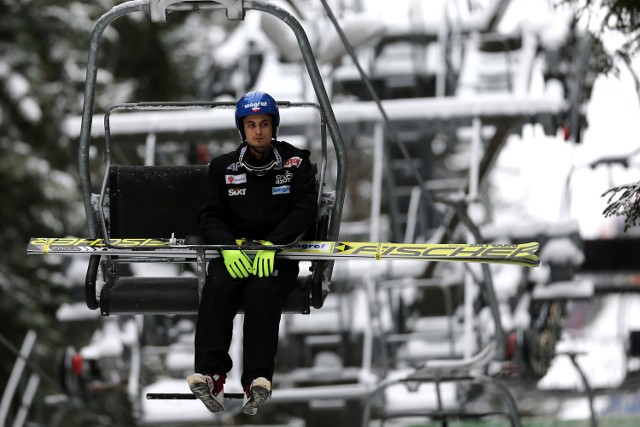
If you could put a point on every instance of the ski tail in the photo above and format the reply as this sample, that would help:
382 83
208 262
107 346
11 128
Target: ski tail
524 254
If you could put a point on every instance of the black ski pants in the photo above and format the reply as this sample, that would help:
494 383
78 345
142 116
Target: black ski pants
261 299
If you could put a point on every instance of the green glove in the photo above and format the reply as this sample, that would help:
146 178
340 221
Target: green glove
238 263
263 262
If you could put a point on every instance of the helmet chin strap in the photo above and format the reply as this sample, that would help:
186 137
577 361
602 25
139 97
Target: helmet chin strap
274 163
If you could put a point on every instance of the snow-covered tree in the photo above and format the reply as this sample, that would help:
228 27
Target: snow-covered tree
626 205
43 54
39 72
621 17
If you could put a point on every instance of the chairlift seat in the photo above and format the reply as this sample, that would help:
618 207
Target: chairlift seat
175 295
162 202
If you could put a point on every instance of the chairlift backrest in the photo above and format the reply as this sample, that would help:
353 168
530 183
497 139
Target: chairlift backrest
155 201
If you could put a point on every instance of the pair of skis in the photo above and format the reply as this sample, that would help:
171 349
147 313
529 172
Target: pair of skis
495 253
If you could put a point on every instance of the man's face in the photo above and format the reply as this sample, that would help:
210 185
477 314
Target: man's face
258 129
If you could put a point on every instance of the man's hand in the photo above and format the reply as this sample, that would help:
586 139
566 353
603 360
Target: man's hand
263 262
238 263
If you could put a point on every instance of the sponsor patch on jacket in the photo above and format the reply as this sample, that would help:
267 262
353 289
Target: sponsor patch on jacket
236 179
235 166
293 161
284 178
283 189
237 191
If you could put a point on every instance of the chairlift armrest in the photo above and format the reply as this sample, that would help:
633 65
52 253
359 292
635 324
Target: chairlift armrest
90 282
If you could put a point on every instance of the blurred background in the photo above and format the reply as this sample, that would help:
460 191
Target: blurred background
516 115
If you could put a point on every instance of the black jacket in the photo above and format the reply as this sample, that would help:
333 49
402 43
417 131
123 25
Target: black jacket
277 206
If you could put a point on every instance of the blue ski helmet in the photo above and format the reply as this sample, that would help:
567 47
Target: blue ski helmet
257 102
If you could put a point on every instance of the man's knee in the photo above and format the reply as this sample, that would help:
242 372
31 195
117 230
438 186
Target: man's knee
219 284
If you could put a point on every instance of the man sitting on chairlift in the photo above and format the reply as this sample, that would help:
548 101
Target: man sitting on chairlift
264 190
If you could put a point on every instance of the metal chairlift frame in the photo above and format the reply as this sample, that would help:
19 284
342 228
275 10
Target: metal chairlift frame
235 10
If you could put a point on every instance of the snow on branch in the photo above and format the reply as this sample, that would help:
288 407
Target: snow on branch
627 204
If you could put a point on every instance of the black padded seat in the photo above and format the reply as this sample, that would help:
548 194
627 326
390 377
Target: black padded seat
174 295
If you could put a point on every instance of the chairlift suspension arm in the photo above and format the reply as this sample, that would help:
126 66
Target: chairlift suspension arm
89 101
